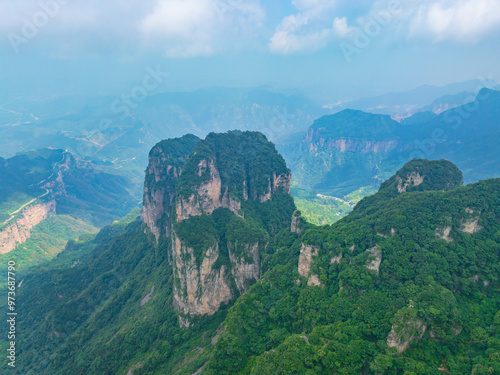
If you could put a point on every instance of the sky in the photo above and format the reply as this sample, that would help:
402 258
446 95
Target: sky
329 49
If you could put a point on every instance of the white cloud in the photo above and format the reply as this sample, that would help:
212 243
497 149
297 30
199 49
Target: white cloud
305 30
315 24
186 28
341 28
180 28
183 27
460 20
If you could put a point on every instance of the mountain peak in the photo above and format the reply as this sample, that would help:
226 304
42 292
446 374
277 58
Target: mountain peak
424 175
417 175
354 123
215 203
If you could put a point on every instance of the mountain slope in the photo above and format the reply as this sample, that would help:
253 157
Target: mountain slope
406 283
230 199
47 197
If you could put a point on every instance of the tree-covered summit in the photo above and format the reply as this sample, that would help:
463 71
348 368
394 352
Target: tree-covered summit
417 175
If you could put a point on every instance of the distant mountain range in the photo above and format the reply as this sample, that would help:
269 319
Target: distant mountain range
120 132
436 98
349 150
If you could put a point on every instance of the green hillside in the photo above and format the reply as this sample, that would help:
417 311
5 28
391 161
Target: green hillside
406 285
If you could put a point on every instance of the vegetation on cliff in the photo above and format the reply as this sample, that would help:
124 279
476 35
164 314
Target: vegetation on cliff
406 285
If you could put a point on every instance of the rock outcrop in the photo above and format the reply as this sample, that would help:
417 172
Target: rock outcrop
215 253
305 260
444 233
401 338
295 227
412 179
245 273
199 288
471 225
18 232
164 168
375 258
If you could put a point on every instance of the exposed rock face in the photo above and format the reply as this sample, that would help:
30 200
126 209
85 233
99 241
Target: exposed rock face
348 144
18 232
374 264
402 340
281 182
164 168
413 179
200 289
207 196
184 186
244 273
336 259
295 227
148 296
470 226
305 261
153 211
444 234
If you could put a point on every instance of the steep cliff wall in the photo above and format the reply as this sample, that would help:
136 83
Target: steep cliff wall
208 203
18 232
165 166
199 288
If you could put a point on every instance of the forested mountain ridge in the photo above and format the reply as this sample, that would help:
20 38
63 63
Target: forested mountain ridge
405 284
344 152
48 196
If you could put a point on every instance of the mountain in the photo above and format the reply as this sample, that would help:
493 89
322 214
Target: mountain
47 197
446 102
211 210
340 153
217 204
349 150
222 276
403 104
405 285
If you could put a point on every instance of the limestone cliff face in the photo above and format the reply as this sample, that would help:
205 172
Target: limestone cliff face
207 196
199 288
318 141
245 272
182 192
305 260
411 330
164 168
295 227
18 232
412 179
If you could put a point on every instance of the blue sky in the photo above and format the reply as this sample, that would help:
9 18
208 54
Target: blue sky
331 49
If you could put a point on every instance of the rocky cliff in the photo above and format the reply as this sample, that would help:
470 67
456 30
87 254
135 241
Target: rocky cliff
212 205
165 166
18 232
